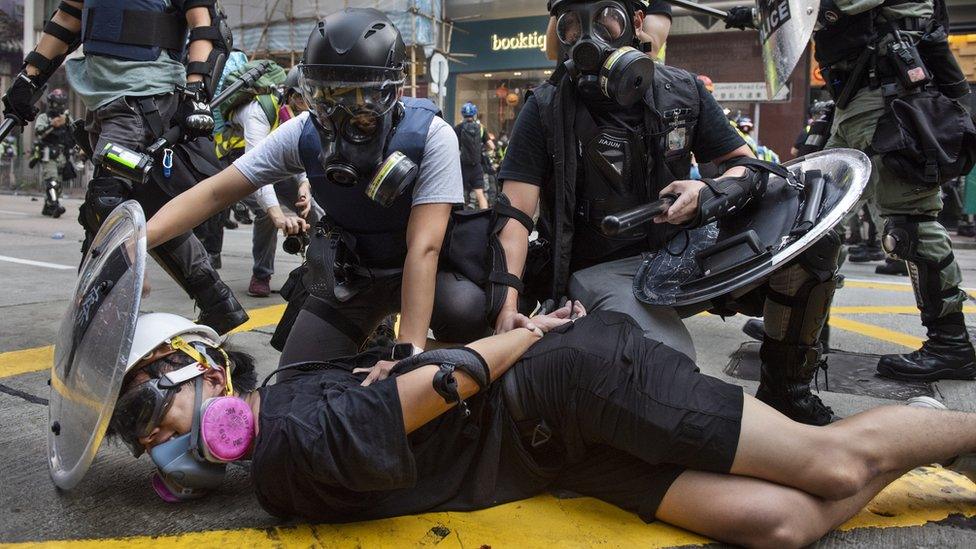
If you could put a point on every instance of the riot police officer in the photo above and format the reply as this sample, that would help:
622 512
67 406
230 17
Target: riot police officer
611 130
386 170
869 57
133 82
52 151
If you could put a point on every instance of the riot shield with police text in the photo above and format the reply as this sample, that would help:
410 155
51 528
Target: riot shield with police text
785 28
741 250
93 345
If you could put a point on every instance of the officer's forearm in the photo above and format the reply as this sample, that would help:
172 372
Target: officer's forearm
199 49
515 242
51 47
736 171
514 237
199 203
420 403
417 295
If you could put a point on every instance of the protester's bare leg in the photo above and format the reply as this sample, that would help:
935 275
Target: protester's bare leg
756 513
838 460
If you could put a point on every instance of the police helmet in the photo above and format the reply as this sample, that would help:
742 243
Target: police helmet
354 58
57 99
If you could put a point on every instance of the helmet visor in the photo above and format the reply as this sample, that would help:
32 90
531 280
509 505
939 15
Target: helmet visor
357 90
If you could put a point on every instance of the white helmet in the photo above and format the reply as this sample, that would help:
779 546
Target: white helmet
155 329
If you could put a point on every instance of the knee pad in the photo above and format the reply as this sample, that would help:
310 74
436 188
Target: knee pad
900 239
823 258
104 195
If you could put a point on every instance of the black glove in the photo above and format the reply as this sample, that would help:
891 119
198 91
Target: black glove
740 17
194 114
20 97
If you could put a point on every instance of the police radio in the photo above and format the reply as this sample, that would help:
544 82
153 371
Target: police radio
907 63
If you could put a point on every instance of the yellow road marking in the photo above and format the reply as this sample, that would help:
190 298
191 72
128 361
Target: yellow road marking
26 361
922 496
889 286
890 310
876 332
14 363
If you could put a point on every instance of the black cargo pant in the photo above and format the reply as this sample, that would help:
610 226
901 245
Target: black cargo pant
614 415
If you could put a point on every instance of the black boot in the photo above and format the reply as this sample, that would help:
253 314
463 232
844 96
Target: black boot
219 309
865 253
185 259
892 267
946 354
787 371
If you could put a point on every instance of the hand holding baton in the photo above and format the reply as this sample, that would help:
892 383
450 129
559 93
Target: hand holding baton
612 225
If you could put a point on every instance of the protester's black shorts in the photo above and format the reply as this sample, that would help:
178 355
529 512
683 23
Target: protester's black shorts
473 177
628 414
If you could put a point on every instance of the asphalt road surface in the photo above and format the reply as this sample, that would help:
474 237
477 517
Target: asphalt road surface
115 506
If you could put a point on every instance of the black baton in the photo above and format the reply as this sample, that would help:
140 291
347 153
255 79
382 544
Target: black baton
613 225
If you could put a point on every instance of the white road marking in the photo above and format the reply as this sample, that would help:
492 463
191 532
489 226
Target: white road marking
37 263
9 212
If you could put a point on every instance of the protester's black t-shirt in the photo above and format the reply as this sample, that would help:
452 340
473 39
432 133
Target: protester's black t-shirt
331 450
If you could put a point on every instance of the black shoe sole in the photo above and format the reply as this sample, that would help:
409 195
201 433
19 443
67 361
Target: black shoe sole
965 373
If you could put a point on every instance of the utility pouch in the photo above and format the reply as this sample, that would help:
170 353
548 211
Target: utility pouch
295 293
927 137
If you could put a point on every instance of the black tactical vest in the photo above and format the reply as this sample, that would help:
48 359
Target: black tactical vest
577 194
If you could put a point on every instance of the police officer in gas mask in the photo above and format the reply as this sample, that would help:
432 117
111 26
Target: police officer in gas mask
612 130
386 170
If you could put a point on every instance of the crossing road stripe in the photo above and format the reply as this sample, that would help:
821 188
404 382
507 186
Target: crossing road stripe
876 332
888 286
922 496
33 263
891 310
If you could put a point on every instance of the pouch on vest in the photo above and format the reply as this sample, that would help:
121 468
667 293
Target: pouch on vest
472 249
926 136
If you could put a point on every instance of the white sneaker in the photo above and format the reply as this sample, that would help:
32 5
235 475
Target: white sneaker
926 402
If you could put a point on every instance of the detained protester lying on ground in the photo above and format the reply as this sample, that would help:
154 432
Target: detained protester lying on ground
591 406
385 169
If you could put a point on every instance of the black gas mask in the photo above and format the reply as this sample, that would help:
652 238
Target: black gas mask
599 46
356 111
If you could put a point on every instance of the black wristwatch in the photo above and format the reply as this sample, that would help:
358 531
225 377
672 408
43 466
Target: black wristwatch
404 350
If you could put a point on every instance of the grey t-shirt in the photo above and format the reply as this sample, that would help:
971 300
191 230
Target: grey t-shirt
100 79
439 180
